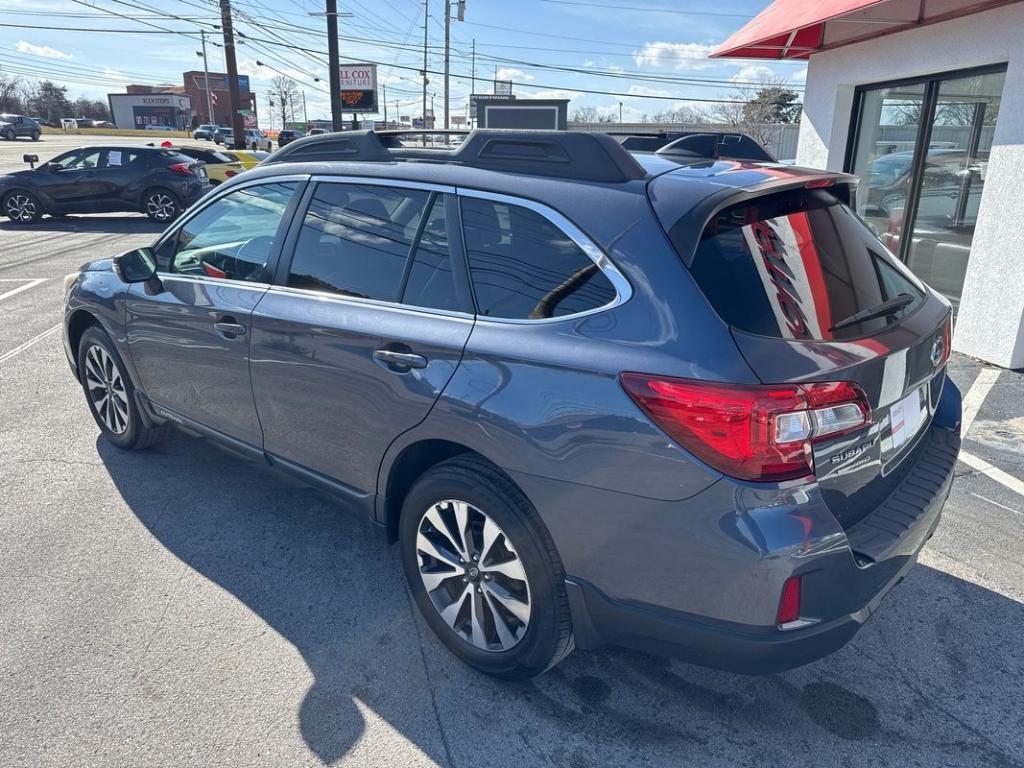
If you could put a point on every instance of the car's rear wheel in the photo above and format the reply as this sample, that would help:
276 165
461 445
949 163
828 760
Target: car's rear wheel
35 135
484 571
8 135
161 204
22 207
110 393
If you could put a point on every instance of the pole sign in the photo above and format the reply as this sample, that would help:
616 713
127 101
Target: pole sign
475 98
358 87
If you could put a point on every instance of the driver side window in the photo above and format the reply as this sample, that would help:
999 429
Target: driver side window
234 237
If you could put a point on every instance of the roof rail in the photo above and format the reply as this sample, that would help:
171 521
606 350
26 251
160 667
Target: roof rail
716 145
365 146
558 154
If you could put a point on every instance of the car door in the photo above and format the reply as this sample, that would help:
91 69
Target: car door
364 329
190 340
69 181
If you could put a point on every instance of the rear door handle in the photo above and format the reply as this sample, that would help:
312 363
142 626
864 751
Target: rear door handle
400 359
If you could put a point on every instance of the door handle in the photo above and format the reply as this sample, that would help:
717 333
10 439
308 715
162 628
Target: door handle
400 359
228 328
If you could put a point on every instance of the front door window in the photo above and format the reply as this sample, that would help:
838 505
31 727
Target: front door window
921 150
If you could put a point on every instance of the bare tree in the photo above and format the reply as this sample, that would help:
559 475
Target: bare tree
284 93
681 114
760 110
10 89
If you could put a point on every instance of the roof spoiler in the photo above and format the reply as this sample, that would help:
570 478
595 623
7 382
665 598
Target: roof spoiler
715 146
557 154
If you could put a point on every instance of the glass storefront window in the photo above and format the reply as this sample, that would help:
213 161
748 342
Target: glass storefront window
925 208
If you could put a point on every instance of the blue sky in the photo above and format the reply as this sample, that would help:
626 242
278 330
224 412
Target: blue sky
641 49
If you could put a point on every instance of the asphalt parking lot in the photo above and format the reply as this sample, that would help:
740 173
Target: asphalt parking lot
177 607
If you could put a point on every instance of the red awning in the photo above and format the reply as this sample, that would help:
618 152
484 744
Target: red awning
794 29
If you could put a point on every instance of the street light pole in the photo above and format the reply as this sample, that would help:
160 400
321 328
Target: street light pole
461 5
206 81
426 15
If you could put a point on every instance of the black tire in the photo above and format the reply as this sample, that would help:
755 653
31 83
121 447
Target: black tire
9 135
21 206
96 346
35 135
160 204
547 637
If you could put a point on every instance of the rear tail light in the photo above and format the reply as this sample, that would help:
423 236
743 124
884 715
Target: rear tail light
789 602
750 432
229 173
947 339
185 169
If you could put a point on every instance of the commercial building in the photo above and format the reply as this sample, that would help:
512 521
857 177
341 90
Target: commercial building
924 101
139 110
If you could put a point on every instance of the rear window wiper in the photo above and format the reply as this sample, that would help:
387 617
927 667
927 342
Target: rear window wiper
889 307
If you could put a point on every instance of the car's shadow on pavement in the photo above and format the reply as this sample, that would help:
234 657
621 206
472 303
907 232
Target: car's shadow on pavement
934 679
127 224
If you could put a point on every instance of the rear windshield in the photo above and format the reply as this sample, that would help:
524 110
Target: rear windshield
800 265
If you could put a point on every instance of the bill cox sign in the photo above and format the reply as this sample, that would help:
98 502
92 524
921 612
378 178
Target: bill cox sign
359 87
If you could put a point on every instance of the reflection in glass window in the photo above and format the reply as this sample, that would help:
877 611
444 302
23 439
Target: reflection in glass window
355 240
524 267
431 282
233 238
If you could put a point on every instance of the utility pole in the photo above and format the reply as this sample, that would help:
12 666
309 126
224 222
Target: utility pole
384 90
426 15
234 97
334 64
206 81
472 90
447 54
305 117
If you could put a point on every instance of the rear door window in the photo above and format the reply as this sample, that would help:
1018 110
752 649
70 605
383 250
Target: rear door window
523 267
800 265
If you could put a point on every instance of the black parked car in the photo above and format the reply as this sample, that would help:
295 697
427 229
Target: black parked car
158 182
286 137
16 126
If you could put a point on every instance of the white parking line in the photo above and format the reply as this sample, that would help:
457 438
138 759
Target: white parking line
20 288
972 403
976 396
22 347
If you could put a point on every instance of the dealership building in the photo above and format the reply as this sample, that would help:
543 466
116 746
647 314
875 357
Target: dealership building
924 101
139 110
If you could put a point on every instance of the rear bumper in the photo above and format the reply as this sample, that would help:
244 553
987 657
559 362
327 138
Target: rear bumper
700 579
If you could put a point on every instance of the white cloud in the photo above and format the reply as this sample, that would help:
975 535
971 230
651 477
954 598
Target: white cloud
799 77
561 93
113 74
643 90
752 73
42 50
511 73
589 63
675 55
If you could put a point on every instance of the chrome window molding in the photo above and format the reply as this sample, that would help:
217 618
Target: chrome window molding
360 301
207 280
623 290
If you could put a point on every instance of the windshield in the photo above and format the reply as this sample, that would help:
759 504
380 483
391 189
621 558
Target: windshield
800 265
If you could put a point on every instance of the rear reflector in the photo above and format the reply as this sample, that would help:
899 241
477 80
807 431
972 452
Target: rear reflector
789 603
750 432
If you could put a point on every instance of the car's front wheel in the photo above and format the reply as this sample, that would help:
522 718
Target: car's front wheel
22 207
484 571
110 393
161 205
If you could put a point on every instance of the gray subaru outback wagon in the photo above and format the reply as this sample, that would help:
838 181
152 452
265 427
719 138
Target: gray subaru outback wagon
683 401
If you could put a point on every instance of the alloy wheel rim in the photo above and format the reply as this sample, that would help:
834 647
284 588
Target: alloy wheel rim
106 389
160 206
473 575
20 208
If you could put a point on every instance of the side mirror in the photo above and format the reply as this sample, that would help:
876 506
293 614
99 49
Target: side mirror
30 159
138 266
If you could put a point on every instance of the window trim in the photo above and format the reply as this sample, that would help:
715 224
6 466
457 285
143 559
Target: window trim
222 190
623 289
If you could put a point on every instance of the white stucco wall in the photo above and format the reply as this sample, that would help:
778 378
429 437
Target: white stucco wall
990 324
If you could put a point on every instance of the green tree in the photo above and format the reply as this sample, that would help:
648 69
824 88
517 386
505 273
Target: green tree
773 104
50 101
